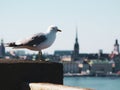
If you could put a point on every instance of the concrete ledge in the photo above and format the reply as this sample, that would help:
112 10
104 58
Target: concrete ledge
15 74
48 86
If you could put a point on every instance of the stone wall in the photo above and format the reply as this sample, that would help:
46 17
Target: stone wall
48 86
14 74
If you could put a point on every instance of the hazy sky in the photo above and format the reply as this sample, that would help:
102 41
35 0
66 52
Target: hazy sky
98 22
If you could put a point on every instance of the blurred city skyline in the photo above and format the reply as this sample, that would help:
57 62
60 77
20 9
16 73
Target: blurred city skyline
97 22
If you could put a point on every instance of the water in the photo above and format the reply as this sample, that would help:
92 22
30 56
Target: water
97 83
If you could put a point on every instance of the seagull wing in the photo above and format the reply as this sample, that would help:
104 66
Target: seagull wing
35 40
30 41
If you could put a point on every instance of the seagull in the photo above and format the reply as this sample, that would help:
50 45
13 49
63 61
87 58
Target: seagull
37 42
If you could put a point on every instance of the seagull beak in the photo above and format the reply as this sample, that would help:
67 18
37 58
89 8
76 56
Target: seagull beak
59 30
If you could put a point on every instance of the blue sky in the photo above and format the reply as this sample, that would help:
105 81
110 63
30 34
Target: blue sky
98 22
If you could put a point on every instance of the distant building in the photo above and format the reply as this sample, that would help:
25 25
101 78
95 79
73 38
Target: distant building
85 67
89 55
100 53
71 67
63 52
116 48
101 68
115 51
75 55
63 55
117 63
66 58
2 49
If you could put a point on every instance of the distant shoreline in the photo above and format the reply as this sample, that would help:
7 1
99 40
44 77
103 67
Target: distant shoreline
79 75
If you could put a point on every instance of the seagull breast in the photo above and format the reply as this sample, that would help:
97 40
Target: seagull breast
48 42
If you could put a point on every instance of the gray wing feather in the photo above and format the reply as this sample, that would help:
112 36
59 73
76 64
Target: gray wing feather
36 40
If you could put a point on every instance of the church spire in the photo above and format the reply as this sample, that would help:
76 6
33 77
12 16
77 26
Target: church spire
116 42
116 47
76 47
76 35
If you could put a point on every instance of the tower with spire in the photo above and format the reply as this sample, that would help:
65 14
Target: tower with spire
76 47
116 47
2 49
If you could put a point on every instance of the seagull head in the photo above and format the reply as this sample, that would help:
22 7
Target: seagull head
53 28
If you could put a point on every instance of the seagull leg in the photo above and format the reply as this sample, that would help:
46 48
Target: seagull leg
40 55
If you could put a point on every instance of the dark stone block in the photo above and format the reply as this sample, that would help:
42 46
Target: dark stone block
14 74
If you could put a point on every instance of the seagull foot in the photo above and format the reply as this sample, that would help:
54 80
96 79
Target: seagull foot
40 57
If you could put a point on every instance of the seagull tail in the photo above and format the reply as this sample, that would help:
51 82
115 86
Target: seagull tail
12 44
